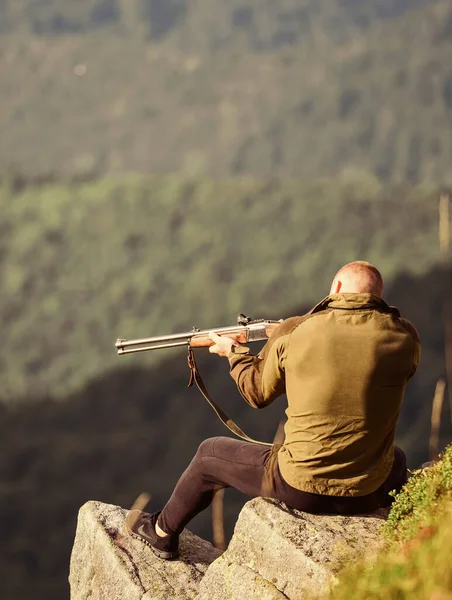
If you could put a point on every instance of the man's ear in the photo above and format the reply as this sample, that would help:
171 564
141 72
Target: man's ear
337 285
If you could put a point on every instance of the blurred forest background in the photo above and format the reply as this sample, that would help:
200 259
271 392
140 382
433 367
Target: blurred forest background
164 164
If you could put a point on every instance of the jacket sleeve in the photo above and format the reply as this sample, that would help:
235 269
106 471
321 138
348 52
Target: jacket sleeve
417 345
261 379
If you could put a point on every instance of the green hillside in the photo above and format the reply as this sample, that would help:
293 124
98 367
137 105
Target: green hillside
83 264
205 99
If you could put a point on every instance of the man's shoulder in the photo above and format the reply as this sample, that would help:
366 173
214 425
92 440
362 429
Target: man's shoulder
410 328
407 325
288 325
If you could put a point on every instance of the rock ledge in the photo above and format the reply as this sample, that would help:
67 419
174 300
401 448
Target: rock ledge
276 553
108 564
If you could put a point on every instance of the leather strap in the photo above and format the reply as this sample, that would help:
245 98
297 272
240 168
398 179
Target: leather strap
195 377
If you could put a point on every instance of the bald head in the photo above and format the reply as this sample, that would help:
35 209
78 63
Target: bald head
357 278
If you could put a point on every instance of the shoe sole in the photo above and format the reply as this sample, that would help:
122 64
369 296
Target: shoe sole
159 553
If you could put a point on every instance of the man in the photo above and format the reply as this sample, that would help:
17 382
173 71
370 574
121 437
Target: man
344 367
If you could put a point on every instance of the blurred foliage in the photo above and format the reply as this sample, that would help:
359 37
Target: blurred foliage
361 90
420 567
259 24
85 263
295 88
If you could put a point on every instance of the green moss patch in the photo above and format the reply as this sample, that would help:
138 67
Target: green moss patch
416 562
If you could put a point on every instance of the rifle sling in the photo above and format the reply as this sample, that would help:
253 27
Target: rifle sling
195 377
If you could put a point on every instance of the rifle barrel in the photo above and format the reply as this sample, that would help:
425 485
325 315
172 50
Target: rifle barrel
156 347
186 336
161 338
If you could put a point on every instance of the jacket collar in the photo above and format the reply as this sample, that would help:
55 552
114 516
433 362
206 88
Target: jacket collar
354 302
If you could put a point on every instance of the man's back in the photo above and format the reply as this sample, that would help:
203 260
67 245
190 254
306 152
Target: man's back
344 366
346 369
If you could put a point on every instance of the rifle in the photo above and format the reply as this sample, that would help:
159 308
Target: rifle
247 330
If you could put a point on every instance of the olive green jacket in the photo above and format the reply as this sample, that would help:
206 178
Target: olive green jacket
344 367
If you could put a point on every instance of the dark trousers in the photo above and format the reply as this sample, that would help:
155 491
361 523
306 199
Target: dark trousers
253 469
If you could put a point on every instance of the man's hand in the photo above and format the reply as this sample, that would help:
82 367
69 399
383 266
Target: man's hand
222 345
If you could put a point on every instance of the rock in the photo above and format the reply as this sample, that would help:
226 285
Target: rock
277 552
108 564
233 581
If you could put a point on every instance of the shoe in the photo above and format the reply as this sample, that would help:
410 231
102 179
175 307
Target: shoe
141 526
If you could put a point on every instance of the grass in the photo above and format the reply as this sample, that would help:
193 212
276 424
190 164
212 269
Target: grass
417 560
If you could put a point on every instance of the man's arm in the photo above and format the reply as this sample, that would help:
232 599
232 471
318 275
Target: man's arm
417 344
260 379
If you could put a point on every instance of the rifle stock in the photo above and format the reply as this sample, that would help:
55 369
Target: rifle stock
204 341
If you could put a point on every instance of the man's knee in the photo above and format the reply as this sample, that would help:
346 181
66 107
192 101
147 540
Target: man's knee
206 448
